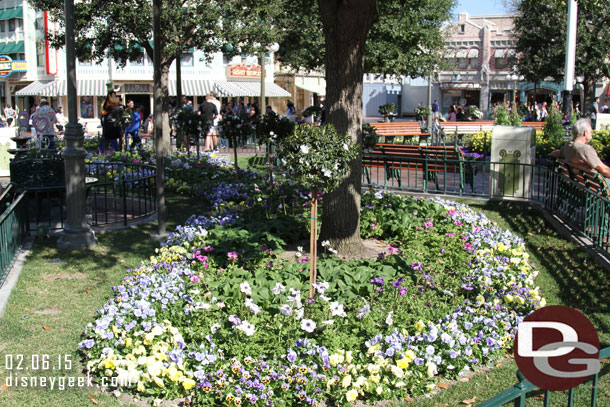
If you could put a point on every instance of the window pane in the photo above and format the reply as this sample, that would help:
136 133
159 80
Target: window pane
86 107
11 24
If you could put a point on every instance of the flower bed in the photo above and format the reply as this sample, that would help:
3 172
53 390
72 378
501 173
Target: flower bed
218 317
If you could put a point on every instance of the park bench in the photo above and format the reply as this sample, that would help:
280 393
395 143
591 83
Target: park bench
536 125
586 199
467 127
391 130
427 160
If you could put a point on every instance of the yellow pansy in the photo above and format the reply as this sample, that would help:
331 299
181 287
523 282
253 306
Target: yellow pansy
420 325
351 395
347 380
188 383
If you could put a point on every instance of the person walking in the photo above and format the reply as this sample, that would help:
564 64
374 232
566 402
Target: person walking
10 114
209 111
133 128
594 111
217 120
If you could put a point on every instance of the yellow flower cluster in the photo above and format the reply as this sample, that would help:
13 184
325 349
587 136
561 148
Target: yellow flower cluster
380 375
144 361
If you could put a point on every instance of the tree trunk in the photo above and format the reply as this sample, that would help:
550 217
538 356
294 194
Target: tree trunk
589 91
346 25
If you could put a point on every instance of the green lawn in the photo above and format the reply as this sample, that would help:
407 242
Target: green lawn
58 293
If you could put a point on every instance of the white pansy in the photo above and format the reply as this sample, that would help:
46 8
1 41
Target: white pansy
308 325
304 149
278 289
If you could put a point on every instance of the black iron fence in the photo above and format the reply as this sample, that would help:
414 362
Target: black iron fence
119 193
14 226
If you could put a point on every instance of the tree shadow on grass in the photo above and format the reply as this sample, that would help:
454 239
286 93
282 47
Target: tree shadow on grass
117 245
579 282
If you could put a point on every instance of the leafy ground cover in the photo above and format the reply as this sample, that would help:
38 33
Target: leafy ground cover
197 284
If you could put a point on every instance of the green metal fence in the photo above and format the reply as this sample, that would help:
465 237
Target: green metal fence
14 226
518 394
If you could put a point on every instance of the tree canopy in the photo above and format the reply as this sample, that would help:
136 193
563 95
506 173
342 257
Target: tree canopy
540 28
404 39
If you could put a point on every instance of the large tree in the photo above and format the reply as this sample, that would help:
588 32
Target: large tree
347 38
540 28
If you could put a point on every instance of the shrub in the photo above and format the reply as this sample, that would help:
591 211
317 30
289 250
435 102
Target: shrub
554 131
474 112
476 143
388 109
504 117
601 143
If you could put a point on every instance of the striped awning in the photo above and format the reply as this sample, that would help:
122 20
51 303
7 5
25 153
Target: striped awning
473 53
84 87
12 47
253 89
500 53
228 89
33 88
192 87
450 53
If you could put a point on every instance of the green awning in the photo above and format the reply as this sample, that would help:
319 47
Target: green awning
16 48
10 13
12 48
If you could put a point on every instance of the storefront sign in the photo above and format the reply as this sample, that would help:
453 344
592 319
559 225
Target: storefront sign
137 88
244 71
8 66
50 52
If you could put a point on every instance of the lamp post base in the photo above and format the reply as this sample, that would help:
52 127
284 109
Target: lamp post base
77 239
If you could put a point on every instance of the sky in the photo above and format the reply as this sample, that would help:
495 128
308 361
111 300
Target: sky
478 7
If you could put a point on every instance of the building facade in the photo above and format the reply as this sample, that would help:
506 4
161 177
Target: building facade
22 38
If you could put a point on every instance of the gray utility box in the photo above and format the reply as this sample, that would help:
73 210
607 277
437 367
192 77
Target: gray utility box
513 154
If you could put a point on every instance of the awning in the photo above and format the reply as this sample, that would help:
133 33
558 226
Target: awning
461 53
33 88
12 47
9 13
473 53
192 87
500 53
253 89
450 53
85 87
453 85
228 89
312 84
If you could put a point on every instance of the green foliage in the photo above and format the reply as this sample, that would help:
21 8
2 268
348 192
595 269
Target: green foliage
474 112
554 132
387 109
190 123
505 117
317 157
543 22
422 112
369 136
601 143
273 128
236 127
405 36
314 111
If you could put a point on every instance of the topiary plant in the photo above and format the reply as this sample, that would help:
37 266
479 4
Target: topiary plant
554 131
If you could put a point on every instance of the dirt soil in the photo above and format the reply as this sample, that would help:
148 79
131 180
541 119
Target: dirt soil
371 249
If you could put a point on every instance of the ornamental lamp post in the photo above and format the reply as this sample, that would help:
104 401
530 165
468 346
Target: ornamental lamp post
513 77
271 49
77 233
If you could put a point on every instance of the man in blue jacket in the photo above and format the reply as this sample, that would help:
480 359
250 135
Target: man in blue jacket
133 128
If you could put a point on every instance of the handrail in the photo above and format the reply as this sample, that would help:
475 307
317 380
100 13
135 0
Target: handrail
518 393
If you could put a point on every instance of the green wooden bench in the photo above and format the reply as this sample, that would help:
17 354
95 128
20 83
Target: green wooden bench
429 160
517 394
587 198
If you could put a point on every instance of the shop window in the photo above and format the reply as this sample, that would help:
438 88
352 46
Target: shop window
501 62
474 62
19 24
86 107
462 63
2 27
11 25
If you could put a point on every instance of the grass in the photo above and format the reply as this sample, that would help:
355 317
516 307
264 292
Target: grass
58 293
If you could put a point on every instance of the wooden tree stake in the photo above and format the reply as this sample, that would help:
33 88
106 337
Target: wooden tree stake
313 244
